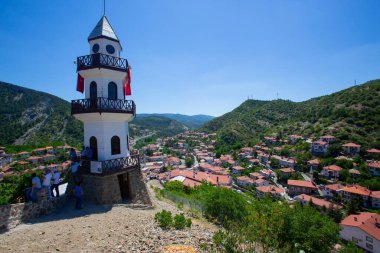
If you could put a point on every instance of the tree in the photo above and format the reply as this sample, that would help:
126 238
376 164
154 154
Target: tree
350 247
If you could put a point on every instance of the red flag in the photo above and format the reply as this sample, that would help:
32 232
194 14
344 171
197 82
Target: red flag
127 83
80 83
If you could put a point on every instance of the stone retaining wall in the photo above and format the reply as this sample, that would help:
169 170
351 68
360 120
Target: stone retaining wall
15 214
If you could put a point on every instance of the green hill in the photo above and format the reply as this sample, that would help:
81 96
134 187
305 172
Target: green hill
352 114
192 122
32 117
161 125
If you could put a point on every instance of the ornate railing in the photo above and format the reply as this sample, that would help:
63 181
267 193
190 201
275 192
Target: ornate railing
110 166
101 61
102 105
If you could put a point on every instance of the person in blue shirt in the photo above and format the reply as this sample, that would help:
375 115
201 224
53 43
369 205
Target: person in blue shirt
78 193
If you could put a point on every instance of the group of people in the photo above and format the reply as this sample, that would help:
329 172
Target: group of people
86 154
50 183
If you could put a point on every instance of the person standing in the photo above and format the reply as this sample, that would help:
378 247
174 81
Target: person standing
47 182
36 187
73 154
56 181
78 193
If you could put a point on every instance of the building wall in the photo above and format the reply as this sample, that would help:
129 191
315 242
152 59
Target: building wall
351 233
104 131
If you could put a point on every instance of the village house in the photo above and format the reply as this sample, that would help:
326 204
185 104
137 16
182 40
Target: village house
274 191
327 138
332 190
313 164
255 175
266 173
263 157
351 149
354 173
198 177
23 155
350 191
269 140
286 172
48 157
49 150
363 229
284 161
5 159
39 151
374 152
375 198
253 161
374 168
244 181
237 170
305 199
297 187
35 159
319 147
172 161
260 182
154 158
331 171
294 138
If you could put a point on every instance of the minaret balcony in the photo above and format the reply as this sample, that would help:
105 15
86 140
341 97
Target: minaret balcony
112 166
101 105
101 61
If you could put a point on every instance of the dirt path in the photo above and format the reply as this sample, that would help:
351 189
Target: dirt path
101 229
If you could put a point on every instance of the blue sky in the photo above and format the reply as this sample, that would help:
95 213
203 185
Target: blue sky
198 56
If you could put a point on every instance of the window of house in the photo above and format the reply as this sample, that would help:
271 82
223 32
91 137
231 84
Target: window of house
369 246
369 239
115 145
355 240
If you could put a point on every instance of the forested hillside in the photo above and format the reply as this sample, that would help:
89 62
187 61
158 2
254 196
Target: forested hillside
32 117
352 114
192 122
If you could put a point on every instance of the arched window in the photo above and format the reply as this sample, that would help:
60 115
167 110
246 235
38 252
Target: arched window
115 145
94 148
112 90
93 90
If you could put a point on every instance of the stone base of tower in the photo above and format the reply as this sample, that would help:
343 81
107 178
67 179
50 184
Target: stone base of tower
127 186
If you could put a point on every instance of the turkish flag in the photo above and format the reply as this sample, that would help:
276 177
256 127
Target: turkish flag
80 83
127 83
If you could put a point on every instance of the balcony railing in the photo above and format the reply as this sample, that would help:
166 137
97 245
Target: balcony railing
100 105
124 163
101 61
110 166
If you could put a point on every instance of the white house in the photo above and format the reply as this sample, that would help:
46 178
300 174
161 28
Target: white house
363 229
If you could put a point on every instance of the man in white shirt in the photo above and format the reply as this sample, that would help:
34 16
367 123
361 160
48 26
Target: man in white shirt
47 182
56 179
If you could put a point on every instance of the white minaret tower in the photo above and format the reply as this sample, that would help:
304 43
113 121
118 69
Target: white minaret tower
104 112
113 174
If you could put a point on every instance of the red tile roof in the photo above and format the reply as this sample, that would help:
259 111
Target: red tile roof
357 189
351 145
333 168
287 170
365 221
301 183
375 165
334 187
270 189
317 201
373 150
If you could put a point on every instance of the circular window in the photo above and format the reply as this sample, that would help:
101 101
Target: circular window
110 49
95 48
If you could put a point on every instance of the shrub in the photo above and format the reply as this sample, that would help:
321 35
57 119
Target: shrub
164 219
180 221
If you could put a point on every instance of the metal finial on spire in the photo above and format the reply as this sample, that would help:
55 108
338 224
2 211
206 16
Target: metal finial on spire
104 7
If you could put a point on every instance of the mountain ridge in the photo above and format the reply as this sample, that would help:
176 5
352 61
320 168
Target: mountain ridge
351 114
